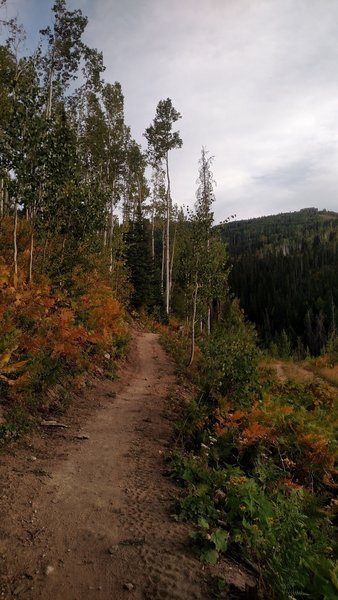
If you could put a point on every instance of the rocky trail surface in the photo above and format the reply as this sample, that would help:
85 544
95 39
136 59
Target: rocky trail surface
85 509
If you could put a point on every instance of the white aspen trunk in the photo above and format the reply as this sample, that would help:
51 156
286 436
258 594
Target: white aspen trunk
172 260
50 90
167 256
111 230
15 244
209 308
111 221
167 263
153 236
194 311
163 259
31 259
126 210
2 198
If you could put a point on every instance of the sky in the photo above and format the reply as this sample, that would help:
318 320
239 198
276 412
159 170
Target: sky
256 83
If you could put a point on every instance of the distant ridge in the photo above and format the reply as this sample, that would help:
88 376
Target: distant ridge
285 273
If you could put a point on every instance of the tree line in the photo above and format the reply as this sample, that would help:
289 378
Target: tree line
285 273
75 184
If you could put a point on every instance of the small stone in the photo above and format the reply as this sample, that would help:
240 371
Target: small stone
52 423
33 458
129 586
50 569
82 437
112 550
19 589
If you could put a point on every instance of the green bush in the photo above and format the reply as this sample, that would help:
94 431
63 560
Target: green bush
230 365
284 531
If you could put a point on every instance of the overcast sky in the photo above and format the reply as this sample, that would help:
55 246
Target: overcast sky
256 82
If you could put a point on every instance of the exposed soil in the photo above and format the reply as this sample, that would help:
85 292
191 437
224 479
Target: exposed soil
85 510
288 370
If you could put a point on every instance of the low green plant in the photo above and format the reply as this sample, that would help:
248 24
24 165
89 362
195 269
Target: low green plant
260 469
259 525
210 544
230 366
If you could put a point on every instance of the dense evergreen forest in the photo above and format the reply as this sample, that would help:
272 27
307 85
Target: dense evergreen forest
91 238
285 273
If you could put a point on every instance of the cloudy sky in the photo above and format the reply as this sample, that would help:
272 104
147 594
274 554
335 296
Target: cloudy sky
256 82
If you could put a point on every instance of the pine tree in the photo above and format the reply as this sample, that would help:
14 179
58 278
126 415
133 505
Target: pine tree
146 292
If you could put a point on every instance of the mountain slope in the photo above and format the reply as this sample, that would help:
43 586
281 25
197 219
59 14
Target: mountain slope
285 273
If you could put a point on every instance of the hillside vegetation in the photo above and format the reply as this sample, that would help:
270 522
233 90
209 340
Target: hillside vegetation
259 467
285 273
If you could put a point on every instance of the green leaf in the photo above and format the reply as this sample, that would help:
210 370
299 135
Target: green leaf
202 522
210 556
220 539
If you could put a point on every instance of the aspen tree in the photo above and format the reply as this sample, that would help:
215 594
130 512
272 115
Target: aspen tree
161 139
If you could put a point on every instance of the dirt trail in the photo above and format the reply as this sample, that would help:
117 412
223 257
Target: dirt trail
67 503
288 370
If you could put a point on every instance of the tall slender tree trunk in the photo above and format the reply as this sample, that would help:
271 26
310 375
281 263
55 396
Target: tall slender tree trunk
111 228
15 244
172 260
167 257
31 258
193 325
163 259
153 235
2 198
50 90
209 307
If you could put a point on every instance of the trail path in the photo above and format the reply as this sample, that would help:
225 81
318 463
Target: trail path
290 370
67 503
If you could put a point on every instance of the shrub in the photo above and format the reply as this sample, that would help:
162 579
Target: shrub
230 365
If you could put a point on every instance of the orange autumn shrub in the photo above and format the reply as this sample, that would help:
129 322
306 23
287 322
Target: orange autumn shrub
50 335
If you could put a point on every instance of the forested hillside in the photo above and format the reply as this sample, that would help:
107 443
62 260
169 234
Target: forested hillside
285 273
